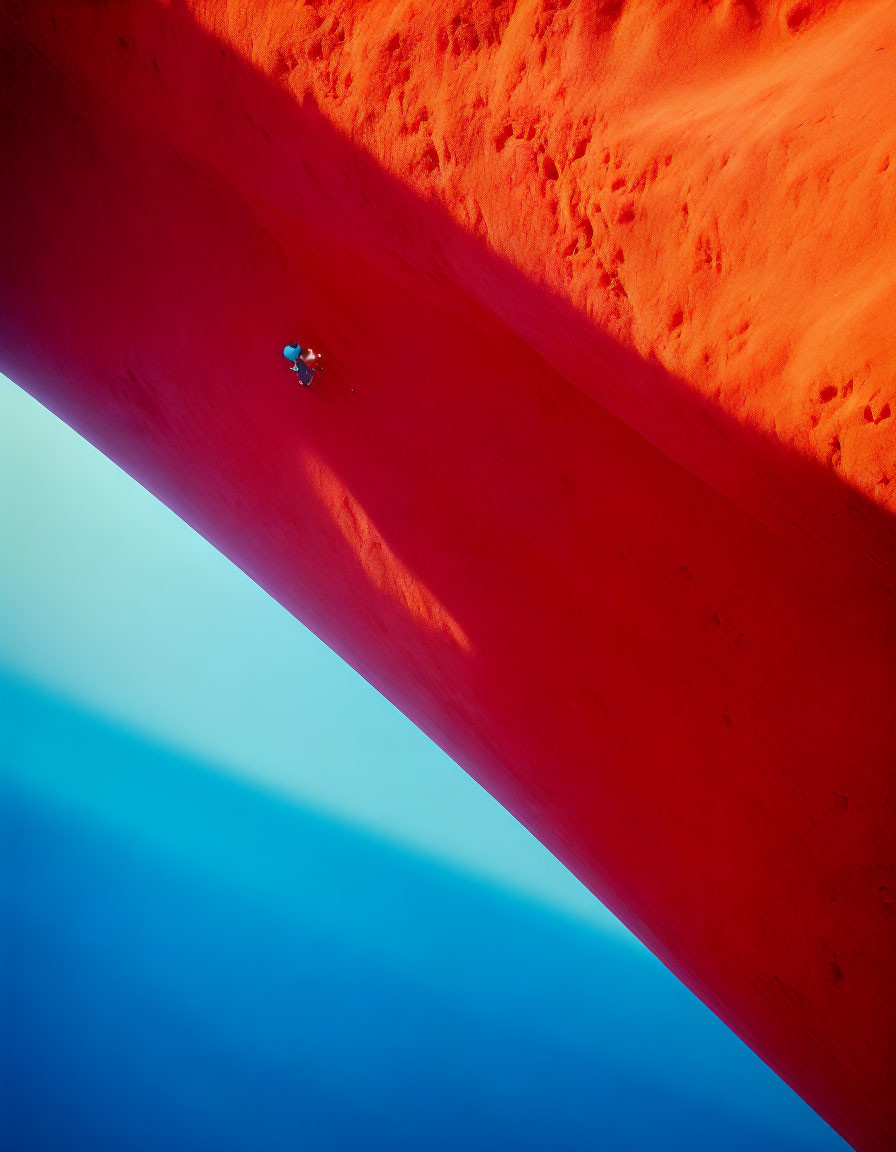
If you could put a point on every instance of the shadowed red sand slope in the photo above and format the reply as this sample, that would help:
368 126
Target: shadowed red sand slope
602 291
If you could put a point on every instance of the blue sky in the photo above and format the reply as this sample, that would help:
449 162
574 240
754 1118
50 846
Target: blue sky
257 908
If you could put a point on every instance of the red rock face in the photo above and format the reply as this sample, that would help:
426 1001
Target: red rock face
598 485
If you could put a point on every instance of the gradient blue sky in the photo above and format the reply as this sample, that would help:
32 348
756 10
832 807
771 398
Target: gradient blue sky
254 907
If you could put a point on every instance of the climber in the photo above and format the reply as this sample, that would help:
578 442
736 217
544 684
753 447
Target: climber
305 361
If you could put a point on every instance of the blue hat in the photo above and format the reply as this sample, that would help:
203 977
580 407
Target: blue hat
292 352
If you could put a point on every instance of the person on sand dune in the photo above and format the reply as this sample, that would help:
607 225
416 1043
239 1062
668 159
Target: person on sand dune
305 361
